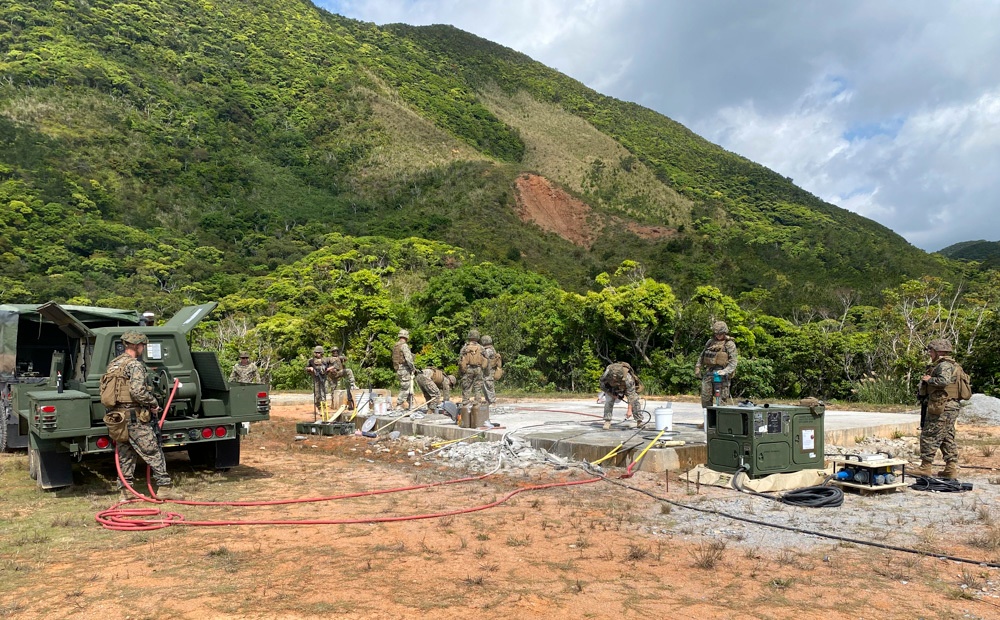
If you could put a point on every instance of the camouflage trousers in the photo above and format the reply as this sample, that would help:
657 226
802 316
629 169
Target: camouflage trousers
333 383
708 390
609 403
319 393
142 443
472 382
490 388
405 385
432 394
939 432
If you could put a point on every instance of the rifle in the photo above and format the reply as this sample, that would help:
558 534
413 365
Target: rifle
922 397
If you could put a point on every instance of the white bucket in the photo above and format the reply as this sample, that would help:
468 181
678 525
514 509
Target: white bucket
664 417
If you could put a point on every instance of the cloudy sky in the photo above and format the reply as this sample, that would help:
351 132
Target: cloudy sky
888 108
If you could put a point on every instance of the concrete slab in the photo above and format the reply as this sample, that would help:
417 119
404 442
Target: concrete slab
573 429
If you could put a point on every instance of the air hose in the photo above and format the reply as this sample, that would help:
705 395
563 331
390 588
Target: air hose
940 485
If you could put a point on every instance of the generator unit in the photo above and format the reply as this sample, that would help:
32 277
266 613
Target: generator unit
764 439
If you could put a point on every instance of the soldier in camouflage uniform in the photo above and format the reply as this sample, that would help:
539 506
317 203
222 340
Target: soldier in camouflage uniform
471 364
244 371
402 363
719 357
620 382
435 386
489 382
317 367
941 387
138 406
337 369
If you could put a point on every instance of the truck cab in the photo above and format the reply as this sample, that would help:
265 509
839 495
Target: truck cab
52 358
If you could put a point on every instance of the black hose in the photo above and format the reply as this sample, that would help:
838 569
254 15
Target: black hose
810 497
941 485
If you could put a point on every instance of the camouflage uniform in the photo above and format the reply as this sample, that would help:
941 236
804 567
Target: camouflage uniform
435 386
142 439
337 369
471 362
618 382
719 356
402 362
942 413
244 373
317 367
489 383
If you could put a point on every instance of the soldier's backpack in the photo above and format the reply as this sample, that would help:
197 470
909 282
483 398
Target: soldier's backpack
497 366
113 385
472 356
964 385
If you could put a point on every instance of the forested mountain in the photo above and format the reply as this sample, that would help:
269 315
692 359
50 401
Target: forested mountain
154 154
985 252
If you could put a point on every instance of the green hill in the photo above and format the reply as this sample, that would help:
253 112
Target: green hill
985 252
171 151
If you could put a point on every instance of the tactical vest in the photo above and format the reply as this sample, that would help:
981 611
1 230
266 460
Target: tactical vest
336 364
473 356
437 377
939 395
715 353
398 357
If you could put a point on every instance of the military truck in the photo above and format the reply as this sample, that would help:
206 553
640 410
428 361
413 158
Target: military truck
51 360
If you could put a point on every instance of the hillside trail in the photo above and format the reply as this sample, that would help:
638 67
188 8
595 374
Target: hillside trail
590 551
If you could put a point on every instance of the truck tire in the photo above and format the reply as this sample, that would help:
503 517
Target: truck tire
4 420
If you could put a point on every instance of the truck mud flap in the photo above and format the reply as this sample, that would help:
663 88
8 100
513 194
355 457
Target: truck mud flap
53 470
215 455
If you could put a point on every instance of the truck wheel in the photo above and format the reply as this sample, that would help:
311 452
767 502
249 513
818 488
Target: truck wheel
4 419
33 463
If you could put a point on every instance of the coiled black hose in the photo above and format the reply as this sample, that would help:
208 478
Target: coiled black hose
941 485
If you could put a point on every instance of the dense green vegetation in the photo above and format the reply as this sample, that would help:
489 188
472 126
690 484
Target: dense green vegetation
331 181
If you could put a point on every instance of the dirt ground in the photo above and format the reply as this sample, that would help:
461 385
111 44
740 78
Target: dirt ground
592 550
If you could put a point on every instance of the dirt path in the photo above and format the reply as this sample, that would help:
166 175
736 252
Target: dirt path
588 551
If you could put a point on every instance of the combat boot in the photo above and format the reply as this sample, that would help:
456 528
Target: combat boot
950 471
167 491
607 425
923 471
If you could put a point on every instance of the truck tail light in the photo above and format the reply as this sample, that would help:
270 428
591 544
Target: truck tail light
220 431
47 409
103 442
261 395
206 432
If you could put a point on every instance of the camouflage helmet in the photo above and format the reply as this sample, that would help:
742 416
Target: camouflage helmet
941 345
335 349
404 333
720 327
452 380
473 335
134 337
487 340
318 348
244 354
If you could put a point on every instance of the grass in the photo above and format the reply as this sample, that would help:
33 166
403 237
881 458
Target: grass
707 555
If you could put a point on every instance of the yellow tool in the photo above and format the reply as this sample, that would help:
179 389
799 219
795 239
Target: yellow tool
338 412
607 456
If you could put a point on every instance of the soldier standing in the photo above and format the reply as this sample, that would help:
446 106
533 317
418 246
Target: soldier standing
489 373
337 368
244 371
718 360
435 386
619 381
471 363
938 431
402 362
126 375
317 368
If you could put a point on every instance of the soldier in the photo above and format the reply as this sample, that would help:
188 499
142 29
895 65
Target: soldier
942 387
126 375
718 359
337 368
317 368
435 386
402 362
492 367
619 381
471 363
244 371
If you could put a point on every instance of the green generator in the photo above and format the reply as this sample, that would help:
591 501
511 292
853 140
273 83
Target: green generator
764 439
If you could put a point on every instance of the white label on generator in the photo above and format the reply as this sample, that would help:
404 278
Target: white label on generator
809 439
763 429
